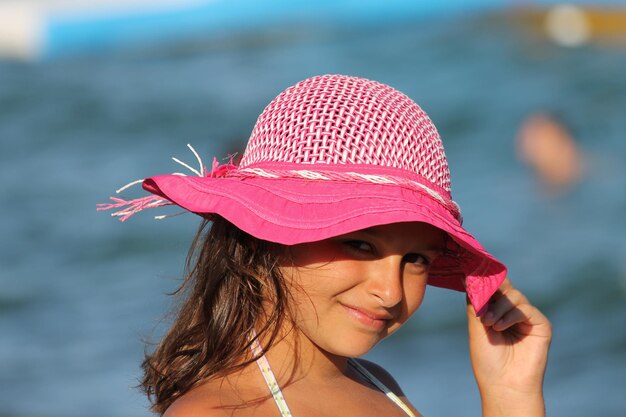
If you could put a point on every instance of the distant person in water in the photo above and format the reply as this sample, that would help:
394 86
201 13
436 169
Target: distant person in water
317 246
549 149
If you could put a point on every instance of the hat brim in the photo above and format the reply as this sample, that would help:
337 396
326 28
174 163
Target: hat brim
291 211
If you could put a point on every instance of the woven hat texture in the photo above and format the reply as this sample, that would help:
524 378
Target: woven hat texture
328 156
348 120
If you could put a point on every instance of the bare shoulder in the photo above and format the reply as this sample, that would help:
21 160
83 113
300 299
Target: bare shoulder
192 405
382 375
181 408
202 401
222 397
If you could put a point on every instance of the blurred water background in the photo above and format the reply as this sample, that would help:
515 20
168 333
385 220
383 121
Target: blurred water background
80 291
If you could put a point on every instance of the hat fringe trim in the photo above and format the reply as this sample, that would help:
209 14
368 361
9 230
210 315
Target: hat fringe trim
131 207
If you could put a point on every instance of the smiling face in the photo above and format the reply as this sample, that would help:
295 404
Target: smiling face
351 291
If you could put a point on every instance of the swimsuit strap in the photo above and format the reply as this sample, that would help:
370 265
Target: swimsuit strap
371 378
272 384
270 379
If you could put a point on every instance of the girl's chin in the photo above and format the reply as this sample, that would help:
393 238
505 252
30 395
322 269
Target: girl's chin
348 343
349 348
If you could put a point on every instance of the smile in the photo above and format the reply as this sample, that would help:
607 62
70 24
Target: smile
369 319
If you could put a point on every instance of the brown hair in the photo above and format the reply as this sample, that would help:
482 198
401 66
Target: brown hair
231 280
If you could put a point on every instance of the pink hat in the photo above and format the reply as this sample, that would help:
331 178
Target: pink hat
331 155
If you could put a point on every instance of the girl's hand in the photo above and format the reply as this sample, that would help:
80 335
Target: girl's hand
509 346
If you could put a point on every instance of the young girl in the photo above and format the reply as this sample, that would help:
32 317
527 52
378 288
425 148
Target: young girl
315 248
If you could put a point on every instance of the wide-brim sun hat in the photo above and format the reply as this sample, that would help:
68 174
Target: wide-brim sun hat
331 155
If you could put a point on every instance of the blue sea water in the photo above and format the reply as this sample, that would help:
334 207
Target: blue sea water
80 292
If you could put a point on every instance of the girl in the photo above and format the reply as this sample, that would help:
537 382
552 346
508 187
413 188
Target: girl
317 246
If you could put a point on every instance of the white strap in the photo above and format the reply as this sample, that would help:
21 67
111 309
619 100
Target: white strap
277 394
370 377
270 379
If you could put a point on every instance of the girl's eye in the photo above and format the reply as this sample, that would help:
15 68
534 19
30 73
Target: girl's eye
360 245
416 258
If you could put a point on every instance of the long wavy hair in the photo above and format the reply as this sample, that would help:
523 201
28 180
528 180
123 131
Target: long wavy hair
232 288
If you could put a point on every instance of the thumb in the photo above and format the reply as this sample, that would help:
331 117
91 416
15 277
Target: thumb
474 323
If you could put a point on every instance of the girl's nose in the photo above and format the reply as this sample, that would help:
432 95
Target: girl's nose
384 281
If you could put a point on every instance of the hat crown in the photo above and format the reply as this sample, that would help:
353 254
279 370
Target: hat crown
337 119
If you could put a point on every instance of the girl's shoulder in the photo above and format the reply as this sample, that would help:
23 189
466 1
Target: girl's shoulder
224 396
220 397
199 402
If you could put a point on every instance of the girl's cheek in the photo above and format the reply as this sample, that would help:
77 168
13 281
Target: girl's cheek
414 301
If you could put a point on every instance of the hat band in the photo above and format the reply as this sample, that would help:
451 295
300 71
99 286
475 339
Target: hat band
325 175
131 207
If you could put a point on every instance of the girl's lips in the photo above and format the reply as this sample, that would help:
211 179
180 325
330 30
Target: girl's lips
369 319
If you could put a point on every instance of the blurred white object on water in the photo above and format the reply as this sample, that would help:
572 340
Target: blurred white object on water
568 25
20 29
32 29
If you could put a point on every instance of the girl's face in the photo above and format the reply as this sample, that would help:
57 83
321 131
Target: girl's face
351 291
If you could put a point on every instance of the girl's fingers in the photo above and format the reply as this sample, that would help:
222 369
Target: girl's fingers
529 318
509 307
509 319
503 302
